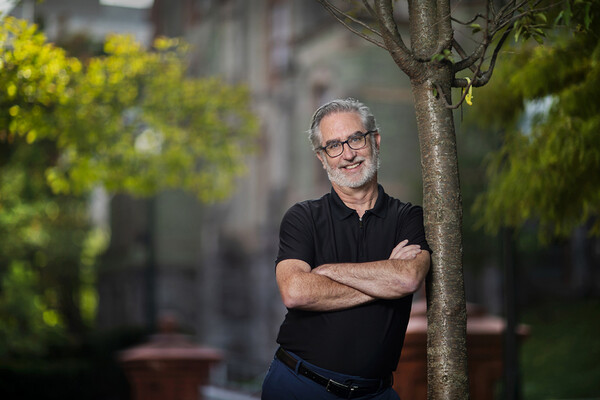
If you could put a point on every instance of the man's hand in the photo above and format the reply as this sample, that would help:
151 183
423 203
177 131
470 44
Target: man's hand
404 252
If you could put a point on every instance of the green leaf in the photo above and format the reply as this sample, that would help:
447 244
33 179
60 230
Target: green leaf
539 39
587 15
475 28
559 17
518 32
541 18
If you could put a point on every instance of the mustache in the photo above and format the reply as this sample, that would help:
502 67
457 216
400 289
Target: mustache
356 160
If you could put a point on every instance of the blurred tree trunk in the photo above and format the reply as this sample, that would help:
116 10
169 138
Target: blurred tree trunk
511 362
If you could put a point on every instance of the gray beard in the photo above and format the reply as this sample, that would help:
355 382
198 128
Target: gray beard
372 166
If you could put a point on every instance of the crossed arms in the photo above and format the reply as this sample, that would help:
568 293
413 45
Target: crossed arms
332 287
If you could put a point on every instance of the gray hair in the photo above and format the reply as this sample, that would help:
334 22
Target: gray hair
337 106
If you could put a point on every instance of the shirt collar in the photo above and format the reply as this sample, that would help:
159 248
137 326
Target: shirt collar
342 211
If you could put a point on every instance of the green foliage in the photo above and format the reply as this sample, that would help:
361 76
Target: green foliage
446 55
131 120
535 21
577 14
531 26
35 77
21 312
547 168
47 255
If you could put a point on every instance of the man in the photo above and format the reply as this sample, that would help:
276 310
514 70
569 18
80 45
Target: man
348 264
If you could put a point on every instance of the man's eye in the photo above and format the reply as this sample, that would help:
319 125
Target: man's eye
355 140
333 146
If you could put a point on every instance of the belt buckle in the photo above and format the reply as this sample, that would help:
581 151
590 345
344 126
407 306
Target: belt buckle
340 389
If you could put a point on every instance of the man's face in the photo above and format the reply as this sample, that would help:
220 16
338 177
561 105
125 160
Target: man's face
353 168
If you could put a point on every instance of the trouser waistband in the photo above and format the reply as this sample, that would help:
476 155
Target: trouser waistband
346 391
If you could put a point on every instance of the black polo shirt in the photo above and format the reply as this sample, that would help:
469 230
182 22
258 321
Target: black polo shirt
365 340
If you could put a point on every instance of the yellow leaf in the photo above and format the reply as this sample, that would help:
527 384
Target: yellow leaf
469 96
11 90
31 136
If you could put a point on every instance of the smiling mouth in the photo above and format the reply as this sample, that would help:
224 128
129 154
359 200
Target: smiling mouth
353 166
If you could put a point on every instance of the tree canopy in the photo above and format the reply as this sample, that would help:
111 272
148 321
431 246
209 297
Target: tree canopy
131 120
544 102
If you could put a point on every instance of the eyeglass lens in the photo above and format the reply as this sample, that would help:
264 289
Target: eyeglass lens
356 142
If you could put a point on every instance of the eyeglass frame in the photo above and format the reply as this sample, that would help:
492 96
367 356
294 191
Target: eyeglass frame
347 141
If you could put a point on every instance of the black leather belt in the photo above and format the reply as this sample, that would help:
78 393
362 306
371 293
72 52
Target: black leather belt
339 389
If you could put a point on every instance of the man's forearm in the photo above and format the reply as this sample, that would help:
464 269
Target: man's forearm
386 279
301 289
321 293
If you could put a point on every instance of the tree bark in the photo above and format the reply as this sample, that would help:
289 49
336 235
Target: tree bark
447 373
431 33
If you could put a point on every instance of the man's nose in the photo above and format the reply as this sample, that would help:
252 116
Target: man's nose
348 153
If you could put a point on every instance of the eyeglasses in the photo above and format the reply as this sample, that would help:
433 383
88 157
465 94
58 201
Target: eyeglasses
355 142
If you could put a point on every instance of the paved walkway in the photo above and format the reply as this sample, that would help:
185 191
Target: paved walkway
215 393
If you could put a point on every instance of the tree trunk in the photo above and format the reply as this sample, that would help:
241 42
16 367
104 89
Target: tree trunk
447 374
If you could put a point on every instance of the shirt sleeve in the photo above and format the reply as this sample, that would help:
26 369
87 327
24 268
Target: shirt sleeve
411 226
296 236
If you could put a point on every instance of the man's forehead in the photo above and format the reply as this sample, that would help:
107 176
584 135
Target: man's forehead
340 125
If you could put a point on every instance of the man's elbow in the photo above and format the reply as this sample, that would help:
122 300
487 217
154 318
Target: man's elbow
407 286
414 284
293 297
416 279
411 280
290 301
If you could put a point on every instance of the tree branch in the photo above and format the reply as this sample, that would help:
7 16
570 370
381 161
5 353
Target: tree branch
504 20
401 55
461 52
472 20
464 83
385 15
485 77
470 61
336 12
445 32
509 8
369 9
479 78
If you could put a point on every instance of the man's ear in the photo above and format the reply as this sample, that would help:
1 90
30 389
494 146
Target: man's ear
377 139
320 157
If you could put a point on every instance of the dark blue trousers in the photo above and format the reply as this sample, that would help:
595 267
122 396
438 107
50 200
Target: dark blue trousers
283 383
